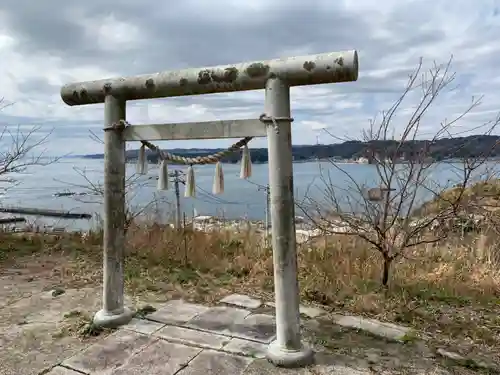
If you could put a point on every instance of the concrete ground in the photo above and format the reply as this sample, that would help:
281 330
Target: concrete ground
41 333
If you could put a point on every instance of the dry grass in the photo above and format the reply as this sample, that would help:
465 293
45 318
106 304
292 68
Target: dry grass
483 196
451 290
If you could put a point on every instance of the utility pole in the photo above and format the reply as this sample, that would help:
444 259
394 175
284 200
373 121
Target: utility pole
176 180
268 202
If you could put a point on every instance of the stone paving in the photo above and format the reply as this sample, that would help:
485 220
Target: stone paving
179 338
182 338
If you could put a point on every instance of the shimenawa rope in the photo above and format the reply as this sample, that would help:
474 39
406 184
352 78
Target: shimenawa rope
215 158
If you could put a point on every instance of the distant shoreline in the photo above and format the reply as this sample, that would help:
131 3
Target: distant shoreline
302 161
443 149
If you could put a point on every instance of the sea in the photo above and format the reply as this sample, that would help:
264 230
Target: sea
72 184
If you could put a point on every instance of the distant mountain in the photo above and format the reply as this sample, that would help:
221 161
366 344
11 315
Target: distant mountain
445 148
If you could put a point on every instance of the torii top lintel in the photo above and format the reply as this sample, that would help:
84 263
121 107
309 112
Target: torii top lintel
330 67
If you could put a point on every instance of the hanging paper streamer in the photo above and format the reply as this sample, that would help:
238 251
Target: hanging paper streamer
189 191
163 176
246 163
142 161
218 186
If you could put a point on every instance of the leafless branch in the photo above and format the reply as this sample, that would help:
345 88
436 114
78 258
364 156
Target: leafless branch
93 191
20 150
392 216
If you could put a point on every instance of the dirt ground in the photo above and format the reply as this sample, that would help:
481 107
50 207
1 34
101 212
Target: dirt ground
47 299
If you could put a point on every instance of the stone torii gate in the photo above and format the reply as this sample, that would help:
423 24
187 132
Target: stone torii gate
276 77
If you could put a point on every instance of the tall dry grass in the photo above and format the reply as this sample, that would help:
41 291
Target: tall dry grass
452 288
336 270
444 287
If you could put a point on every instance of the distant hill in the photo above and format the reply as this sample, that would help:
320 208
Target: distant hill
445 148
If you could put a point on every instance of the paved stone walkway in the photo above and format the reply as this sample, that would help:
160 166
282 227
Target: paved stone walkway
182 338
185 338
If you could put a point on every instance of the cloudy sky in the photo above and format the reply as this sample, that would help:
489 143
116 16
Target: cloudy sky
45 44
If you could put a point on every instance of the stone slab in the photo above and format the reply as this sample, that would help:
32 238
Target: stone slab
246 348
263 367
146 327
210 362
192 337
375 327
309 311
450 355
242 300
257 327
236 322
218 319
109 353
58 370
177 312
159 358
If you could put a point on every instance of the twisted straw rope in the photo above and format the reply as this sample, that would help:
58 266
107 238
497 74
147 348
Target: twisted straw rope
199 160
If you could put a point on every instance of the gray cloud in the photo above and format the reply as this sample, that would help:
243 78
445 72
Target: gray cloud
58 41
182 34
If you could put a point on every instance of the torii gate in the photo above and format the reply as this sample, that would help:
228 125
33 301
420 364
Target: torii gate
276 77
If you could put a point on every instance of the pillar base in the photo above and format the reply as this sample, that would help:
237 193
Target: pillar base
108 319
282 357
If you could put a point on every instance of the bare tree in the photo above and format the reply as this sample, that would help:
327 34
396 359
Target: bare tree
391 217
19 150
92 192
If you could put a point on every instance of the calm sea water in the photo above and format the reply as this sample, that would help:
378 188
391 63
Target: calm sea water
241 198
